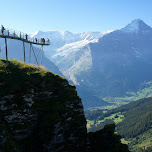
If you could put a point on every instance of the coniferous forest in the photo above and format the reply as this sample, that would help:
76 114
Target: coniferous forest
134 125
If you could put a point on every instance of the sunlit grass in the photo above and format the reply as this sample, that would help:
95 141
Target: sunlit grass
117 118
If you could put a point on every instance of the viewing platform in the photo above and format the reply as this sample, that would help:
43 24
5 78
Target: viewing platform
17 35
12 34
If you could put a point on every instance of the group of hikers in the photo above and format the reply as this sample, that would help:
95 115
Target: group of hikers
26 36
42 40
37 40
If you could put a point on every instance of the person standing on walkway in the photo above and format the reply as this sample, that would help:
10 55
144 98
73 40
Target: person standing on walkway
2 29
26 36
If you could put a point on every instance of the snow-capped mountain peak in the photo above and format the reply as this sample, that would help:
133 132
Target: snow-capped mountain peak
137 22
135 26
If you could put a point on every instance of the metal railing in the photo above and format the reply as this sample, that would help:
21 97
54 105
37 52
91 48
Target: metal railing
23 36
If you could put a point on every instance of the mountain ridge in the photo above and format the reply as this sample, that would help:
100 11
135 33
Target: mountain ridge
111 65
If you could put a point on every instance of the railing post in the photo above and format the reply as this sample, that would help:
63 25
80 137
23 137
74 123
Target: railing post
41 54
6 50
30 53
24 51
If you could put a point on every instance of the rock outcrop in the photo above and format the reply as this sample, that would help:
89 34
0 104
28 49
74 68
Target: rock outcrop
39 111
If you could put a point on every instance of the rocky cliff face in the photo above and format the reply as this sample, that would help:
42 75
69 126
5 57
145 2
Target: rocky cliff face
41 112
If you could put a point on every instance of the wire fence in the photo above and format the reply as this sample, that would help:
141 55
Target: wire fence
23 36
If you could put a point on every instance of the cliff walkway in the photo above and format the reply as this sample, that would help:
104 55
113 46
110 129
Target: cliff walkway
17 35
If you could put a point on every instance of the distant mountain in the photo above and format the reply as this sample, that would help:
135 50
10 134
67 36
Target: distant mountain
72 58
122 60
137 26
59 38
66 36
112 65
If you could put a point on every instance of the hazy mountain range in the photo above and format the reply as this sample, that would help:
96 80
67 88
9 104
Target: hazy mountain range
112 64
60 38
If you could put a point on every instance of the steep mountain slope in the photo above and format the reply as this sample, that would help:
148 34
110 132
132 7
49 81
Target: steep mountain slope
41 112
76 58
121 60
117 63
66 52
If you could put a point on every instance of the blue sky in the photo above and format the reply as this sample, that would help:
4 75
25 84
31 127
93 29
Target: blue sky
30 16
